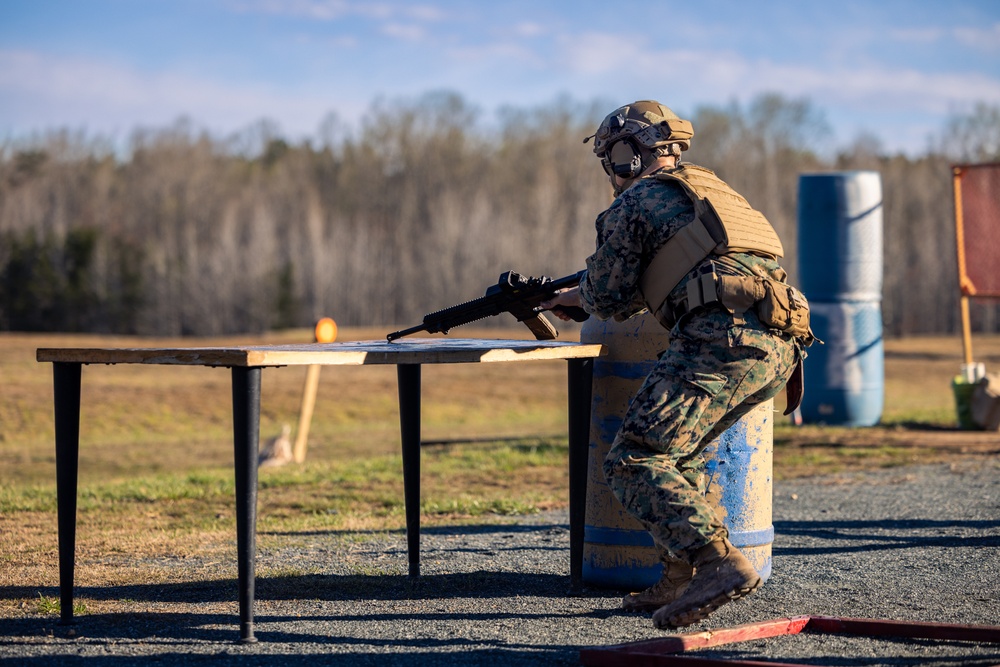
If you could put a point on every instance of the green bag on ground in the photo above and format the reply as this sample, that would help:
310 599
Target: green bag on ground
963 389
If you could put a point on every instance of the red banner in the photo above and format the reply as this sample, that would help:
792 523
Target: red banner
977 221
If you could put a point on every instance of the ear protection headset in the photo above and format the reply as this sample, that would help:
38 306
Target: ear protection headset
623 160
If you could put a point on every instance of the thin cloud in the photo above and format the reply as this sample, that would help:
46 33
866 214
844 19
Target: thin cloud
497 55
725 75
595 53
106 97
332 10
916 35
319 10
409 32
986 39
529 29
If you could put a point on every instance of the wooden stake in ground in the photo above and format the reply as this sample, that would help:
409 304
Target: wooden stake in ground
326 332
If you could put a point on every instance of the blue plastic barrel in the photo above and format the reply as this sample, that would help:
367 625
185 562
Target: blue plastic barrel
840 272
840 236
844 377
618 551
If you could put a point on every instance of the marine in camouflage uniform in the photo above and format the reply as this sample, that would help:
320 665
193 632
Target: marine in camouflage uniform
716 368
713 372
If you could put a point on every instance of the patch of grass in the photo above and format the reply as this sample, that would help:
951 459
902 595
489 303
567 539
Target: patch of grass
475 507
47 606
362 569
794 462
156 480
27 498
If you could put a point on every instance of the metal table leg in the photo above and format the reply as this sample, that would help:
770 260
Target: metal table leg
246 437
580 377
408 377
66 388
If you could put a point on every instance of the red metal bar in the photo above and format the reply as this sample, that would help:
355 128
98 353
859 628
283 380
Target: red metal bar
640 652
914 629
670 660
662 652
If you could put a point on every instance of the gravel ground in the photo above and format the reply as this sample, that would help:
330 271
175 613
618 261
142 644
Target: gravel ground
918 544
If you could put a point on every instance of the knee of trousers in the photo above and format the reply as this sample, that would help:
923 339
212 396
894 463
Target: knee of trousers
630 471
615 469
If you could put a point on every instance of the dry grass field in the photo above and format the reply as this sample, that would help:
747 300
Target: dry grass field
156 483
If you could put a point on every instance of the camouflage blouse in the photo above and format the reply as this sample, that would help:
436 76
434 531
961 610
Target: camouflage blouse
630 232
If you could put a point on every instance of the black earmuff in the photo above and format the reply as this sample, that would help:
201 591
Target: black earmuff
625 160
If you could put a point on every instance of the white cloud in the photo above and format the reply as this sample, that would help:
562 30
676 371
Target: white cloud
520 61
721 76
529 29
883 88
595 53
408 32
985 39
916 35
425 13
109 98
320 10
332 10
978 38
503 54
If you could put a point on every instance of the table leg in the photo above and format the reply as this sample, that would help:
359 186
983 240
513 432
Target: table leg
66 388
408 377
581 373
246 439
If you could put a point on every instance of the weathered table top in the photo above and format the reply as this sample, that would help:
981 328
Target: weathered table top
355 353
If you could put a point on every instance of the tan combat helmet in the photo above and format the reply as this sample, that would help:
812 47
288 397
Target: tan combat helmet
635 131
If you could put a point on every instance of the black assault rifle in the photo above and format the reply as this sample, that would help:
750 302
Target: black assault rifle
512 294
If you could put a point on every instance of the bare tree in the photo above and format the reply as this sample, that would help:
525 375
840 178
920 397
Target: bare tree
420 208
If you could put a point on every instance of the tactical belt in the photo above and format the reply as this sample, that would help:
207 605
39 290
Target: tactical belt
708 288
777 305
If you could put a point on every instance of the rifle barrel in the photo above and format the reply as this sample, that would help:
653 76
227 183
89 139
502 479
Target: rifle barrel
405 332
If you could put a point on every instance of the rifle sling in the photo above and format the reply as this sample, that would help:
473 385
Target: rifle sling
685 249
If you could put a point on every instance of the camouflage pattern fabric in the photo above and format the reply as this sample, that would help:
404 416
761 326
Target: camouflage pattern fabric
711 375
713 372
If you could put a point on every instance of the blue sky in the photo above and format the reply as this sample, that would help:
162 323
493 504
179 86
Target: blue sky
892 68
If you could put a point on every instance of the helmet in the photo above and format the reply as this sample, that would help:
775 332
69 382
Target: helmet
634 131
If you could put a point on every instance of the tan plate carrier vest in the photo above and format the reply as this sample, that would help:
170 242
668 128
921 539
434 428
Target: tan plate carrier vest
724 222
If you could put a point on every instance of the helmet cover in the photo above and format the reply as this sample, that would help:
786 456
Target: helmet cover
647 123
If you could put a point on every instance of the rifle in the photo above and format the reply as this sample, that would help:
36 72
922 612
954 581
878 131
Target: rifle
514 294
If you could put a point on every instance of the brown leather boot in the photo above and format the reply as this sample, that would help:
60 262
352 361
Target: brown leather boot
675 578
722 574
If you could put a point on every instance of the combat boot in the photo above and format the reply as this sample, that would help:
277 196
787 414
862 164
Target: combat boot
674 580
722 574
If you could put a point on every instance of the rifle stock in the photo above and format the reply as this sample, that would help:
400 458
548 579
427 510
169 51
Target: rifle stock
514 294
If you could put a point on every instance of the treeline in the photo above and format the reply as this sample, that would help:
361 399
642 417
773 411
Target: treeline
419 208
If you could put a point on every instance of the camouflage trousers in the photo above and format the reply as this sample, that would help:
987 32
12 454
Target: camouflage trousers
712 374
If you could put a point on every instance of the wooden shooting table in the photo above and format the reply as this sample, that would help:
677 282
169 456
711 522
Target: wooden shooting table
246 363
